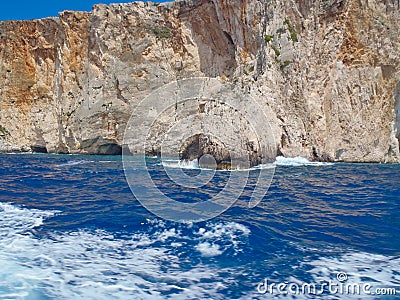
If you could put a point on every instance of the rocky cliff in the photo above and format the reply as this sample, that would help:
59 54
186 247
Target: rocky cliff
326 72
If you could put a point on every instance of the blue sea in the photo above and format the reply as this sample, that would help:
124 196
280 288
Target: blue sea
70 228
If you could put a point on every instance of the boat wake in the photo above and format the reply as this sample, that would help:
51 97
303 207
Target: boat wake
95 264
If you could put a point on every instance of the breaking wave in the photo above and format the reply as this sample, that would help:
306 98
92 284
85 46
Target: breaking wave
298 162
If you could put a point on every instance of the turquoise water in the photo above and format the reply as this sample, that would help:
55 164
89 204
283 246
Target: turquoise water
70 228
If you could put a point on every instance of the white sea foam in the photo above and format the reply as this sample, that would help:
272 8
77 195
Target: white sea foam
96 265
20 219
280 161
231 229
217 238
181 164
74 163
298 161
194 165
360 267
208 250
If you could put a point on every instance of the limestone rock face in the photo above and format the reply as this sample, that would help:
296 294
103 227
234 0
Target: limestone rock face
327 74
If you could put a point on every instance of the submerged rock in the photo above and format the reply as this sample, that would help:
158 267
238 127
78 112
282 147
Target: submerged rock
212 154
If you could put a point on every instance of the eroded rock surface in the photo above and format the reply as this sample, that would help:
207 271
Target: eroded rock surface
326 72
